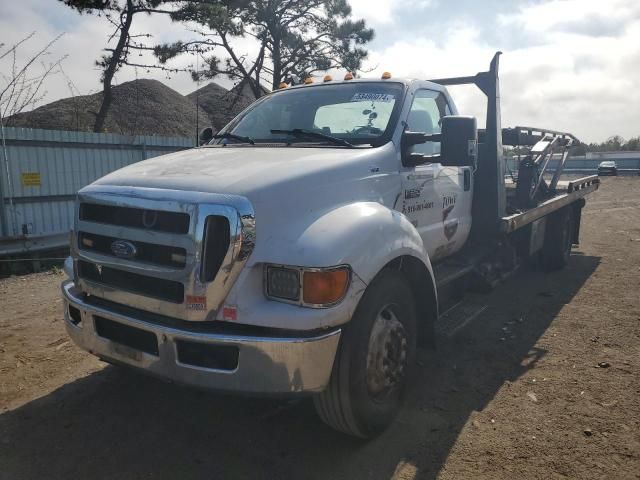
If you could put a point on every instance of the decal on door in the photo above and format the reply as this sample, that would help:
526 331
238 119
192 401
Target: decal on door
416 207
411 197
450 226
449 199
412 193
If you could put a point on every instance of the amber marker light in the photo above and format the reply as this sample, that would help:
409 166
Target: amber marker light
348 76
386 76
87 242
327 78
282 85
325 287
308 81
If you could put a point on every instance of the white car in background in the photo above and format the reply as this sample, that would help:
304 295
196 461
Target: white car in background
608 167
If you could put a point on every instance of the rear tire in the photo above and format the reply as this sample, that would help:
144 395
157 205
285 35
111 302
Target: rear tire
558 240
370 369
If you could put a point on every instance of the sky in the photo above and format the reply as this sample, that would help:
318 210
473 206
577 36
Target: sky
571 65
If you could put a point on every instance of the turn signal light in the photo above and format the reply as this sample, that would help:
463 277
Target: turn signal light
325 287
348 76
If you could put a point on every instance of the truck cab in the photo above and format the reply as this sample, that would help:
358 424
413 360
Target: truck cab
292 254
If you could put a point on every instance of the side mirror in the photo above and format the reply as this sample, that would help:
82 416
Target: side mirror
459 147
206 134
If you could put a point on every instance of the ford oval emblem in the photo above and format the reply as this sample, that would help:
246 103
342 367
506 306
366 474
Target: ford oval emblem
123 249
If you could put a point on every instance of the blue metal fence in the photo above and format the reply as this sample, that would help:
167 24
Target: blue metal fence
627 162
41 171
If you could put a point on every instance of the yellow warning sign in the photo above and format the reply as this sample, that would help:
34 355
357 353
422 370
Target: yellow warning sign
31 179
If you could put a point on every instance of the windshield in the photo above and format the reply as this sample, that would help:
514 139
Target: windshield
358 113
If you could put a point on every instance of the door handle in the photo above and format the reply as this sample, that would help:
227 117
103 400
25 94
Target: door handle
467 180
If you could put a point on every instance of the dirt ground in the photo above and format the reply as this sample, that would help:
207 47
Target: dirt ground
545 383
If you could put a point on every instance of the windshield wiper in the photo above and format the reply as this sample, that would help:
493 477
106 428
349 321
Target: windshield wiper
233 136
301 133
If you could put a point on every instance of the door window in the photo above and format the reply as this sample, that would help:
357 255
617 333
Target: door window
426 111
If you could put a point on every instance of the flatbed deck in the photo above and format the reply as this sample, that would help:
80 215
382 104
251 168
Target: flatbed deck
568 192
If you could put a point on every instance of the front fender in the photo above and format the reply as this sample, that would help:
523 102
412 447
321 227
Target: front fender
365 235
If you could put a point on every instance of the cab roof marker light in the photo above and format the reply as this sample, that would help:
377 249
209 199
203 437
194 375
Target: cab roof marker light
282 85
386 75
327 78
348 76
308 81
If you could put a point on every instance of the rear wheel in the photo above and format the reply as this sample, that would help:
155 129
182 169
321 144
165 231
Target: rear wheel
558 240
370 369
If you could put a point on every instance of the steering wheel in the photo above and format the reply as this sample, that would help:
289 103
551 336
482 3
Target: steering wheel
367 129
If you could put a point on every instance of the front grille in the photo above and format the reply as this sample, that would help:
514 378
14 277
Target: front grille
156 220
183 249
128 336
145 252
167 290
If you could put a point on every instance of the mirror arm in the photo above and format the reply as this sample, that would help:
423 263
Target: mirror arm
416 138
416 159
409 139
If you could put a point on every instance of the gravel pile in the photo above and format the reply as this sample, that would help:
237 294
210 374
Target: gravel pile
140 107
219 104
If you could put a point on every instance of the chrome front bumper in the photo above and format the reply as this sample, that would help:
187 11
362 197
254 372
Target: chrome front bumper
267 365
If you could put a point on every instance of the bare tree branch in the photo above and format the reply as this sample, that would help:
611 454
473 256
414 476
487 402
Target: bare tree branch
23 89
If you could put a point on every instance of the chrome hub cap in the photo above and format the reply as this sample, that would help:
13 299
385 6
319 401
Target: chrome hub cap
387 354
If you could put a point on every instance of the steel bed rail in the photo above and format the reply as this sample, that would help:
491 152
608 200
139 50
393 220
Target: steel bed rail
576 189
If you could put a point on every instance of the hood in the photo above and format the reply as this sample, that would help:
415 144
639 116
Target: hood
289 188
259 173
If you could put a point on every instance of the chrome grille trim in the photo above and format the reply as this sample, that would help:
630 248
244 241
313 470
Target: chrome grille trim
199 206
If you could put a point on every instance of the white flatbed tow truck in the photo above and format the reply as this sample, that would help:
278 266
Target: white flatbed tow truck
314 242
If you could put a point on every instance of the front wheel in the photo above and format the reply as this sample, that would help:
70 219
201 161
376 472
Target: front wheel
370 369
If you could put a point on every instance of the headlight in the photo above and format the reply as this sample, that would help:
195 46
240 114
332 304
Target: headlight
310 287
283 283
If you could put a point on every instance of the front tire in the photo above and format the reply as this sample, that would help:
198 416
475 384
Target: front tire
370 369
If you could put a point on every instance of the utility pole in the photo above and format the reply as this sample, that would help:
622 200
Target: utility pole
5 157
197 100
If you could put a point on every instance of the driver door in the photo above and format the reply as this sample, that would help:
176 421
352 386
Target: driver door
431 193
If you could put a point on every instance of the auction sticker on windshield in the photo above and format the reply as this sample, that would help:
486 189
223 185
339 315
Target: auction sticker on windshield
373 97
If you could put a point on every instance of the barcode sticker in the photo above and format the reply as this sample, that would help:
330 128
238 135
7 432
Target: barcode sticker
196 302
373 97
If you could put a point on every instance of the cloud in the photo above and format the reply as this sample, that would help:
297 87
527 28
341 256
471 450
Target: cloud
581 17
376 13
379 13
579 76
